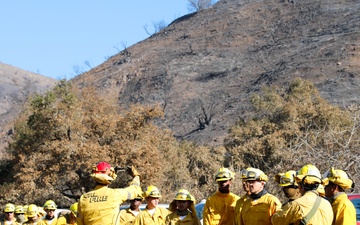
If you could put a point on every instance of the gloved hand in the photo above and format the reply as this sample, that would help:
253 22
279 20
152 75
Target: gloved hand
112 173
132 171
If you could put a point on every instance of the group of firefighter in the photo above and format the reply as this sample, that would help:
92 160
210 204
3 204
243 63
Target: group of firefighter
311 200
32 214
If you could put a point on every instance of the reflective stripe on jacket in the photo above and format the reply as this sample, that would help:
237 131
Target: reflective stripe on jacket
295 211
219 209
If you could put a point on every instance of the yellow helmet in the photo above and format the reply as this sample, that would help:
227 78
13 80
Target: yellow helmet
9 208
19 209
32 211
277 177
244 172
255 174
50 204
152 191
308 174
338 177
184 195
286 179
42 212
224 174
138 197
74 208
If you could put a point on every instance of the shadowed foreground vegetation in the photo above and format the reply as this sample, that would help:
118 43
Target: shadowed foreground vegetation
63 133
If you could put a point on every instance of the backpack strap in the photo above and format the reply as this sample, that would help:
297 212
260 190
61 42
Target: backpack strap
308 217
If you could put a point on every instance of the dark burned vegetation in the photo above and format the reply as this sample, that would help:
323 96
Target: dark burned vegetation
64 133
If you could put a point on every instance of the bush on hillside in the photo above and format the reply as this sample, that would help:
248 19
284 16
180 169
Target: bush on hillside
64 133
294 126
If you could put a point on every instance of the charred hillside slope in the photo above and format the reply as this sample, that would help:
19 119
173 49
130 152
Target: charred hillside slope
16 86
204 67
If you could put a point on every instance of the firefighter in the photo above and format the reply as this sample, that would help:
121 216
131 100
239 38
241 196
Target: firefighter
20 214
152 214
101 206
25 210
220 207
310 208
9 215
183 210
49 208
261 205
33 215
240 202
70 217
288 185
127 216
336 182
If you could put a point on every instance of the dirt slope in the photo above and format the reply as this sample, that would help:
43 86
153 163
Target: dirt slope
16 86
203 67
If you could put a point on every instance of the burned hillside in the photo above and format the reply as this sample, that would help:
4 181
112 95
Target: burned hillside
204 67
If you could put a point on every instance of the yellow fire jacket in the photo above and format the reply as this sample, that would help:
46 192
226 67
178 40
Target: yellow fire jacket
259 211
102 205
12 223
219 209
344 210
238 207
64 220
295 211
145 218
47 222
127 216
37 221
174 219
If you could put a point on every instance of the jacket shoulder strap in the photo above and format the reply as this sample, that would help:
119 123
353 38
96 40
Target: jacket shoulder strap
312 212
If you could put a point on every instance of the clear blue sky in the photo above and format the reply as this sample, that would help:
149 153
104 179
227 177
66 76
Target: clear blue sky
59 38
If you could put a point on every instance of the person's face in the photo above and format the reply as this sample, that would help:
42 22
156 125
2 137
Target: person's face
50 212
224 186
135 204
20 216
291 192
245 186
152 202
182 205
9 215
330 190
255 186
